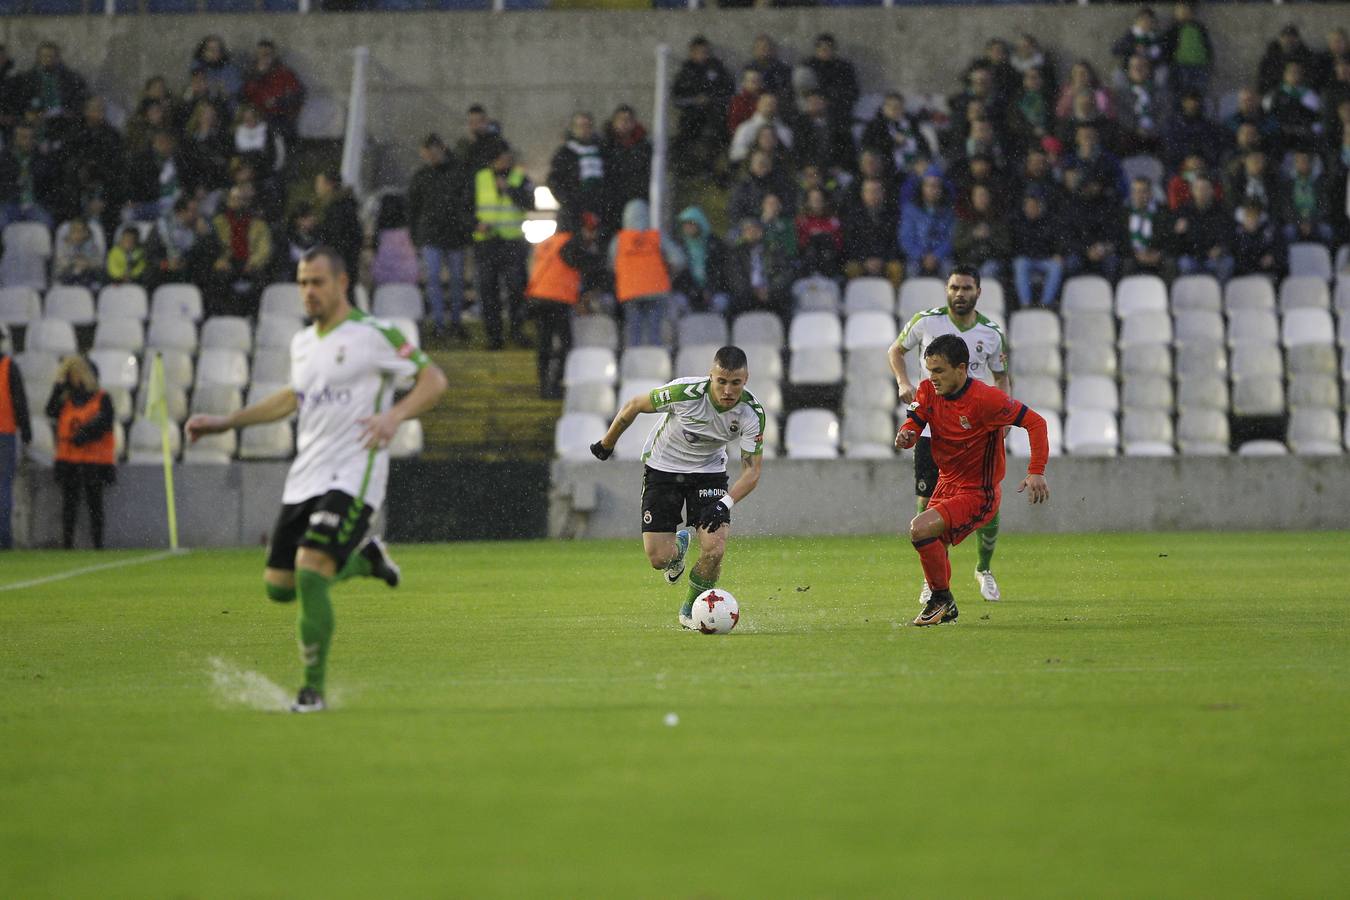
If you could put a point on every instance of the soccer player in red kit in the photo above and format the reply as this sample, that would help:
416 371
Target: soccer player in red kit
967 418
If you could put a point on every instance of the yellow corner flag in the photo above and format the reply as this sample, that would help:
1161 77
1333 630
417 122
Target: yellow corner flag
157 410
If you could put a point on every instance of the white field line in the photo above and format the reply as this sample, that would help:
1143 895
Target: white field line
86 570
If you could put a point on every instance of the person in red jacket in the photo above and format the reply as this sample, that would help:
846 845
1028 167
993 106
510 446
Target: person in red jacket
967 418
275 90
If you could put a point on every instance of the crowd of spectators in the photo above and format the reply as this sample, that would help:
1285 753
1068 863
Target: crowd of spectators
188 184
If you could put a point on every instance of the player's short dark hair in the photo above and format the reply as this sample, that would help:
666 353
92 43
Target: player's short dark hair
433 140
730 358
477 108
951 348
968 271
323 251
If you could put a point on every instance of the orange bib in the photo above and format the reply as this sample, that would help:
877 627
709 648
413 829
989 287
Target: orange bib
639 270
70 421
551 278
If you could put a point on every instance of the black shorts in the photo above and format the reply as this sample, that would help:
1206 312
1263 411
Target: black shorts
334 523
665 495
925 470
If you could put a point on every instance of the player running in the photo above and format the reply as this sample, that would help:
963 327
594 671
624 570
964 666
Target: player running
686 466
967 418
343 369
988 359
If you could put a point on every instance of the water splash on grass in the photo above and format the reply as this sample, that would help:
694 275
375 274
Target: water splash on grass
234 686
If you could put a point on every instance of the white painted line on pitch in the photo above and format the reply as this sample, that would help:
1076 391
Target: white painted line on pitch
74 573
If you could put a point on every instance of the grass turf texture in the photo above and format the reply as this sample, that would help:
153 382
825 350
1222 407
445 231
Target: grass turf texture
1145 715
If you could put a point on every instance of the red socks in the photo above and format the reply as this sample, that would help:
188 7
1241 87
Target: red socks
937 567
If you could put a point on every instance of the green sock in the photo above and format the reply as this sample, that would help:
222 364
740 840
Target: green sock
357 566
696 586
316 626
988 538
280 594
920 504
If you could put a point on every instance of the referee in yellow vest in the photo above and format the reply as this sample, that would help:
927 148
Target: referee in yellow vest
502 196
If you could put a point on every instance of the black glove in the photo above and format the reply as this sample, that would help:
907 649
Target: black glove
713 516
600 451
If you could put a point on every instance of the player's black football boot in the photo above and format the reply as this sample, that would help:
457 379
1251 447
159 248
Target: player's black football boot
382 565
940 608
308 701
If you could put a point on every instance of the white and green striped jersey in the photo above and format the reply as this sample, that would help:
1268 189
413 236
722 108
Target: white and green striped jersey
693 434
341 377
988 350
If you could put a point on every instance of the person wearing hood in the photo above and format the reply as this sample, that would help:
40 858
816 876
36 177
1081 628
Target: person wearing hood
701 287
85 445
579 175
629 154
642 260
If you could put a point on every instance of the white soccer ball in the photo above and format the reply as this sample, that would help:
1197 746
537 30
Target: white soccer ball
716 612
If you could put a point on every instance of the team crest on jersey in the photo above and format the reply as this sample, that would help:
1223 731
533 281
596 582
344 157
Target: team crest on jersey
965 423
342 354
735 427
979 346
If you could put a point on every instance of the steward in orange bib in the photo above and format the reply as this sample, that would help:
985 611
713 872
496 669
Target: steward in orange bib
642 260
565 268
85 444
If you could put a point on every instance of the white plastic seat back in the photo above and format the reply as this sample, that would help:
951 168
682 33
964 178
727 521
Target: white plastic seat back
595 331
1248 292
1091 432
399 301
52 335
634 439
816 366
408 440
590 364
1197 293
275 440
1146 328
702 328
123 301
811 434
815 294
694 360
574 433
757 328
1310 259
765 361
869 294
119 334
1198 327
869 329
595 398
1086 293
219 366
1092 392
1140 294
809 330
1302 327
276 332
116 368
72 303
227 333
177 300
919 294
645 362
19 305
282 299
172 333
1032 327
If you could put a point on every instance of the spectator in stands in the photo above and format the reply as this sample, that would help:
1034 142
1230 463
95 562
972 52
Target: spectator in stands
927 227
761 178
759 278
1189 132
96 231
1303 211
746 100
126 258
223 78
1296 109
52 92
1245 141
502 196
1287 47
1084 112
14 421
1187 52
257 142
1083 77
1038 173
820 237
1250 112
97 145
869 233
895 134
150 116
1143 39
1029 115
1257 249
983 142
702 286
85 445
766 140
1038 249
301 237
29 180
1323 70
240 271
199 90
1090 228
483 141
836 79
275 90
154 179
780 233
579 176
339 226
977 102
776 75
701 90
11 103
395 260
628 154
1028 54
766 116
205 150
641 259
978 171
1335 92
1096 161
984 238
182 247
1146 232
441 214
1250 182
818 138
1179 185
1202 233
995 59
1143 106
78 258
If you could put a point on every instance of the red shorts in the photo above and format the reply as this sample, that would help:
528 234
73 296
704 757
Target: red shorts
964 509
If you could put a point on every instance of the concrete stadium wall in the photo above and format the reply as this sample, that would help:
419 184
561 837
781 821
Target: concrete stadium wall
533 69
805 497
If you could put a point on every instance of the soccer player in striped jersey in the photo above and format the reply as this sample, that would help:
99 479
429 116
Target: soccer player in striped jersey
966 418
988 363
343 369
685 471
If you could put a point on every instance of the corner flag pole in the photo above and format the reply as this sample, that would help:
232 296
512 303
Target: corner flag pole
157 410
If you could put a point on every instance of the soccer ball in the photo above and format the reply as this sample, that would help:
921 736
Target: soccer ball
716 612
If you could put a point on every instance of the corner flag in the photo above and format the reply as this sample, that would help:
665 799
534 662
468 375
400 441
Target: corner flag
157 410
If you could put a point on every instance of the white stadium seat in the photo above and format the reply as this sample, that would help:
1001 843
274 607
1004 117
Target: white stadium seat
1250 360
123 301
1146 327
645 362
868 365
816 366
399 301
176 300
1263 448
1146 359
275 440
757 328
1248 292
144 443
872 394
119 334
595 398
1140 294
634 439
1039 392
282 299
1033 327
811 330
216 399
590 364
1091 432
869 294
1304 292
811 434
172 333
1088 328
1143 426
272 366
1253 326
1198 326
1092 392
212 449
1314 391
1202 432
1201 360
595 331
19 305
1197 293
1311 259
219 366
1258 395
1090 359
408 440
765 361
1086 294
702 328
1302 327
1315 432
227 333
71 303
574 433
864 330
116 368
1037 359
52 335
868 434
276 332
1147 392
919 294
815 294
633 387
694 360
1019 442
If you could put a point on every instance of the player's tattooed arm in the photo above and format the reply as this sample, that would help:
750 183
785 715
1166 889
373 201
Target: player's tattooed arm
752 465
627 415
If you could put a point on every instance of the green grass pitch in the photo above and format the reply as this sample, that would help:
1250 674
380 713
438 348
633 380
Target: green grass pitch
1145 715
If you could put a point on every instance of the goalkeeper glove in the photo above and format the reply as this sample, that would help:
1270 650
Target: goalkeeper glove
714 516
600 451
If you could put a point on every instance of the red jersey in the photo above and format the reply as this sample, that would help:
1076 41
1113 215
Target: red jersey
967 433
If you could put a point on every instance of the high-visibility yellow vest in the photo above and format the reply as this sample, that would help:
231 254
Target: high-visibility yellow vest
496 209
